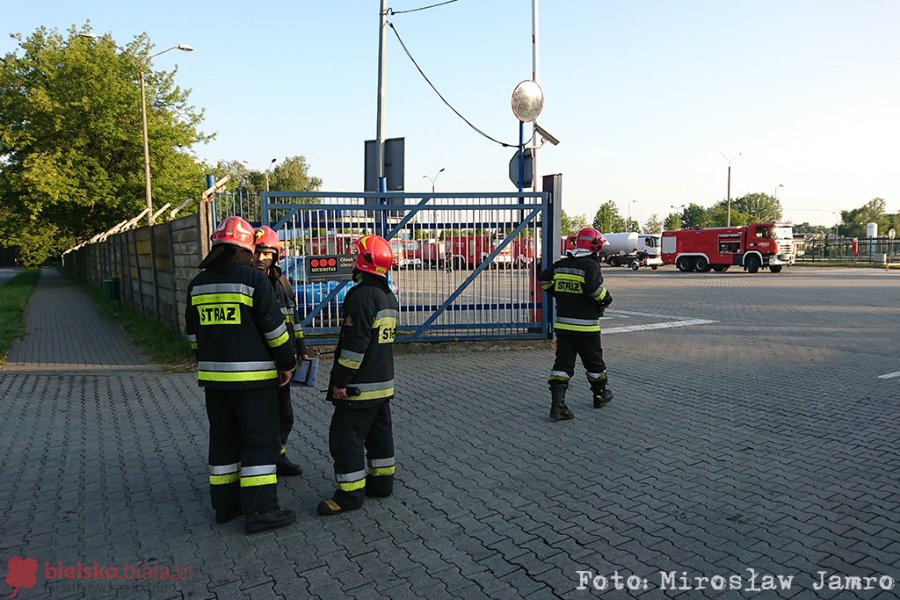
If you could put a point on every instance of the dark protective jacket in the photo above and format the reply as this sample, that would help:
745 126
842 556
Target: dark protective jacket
285 295
576 283
237 330
364 358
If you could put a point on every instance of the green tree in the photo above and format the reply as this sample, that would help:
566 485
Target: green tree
759 208
572 225
653 225
292 175
71 139
672 222
717 216
853 222
694 217
607 219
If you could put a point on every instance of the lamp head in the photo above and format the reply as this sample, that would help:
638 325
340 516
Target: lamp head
185 48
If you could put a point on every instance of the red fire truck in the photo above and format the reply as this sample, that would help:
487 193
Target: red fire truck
470 250
766 245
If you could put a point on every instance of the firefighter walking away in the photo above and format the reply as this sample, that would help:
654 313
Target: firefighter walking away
576 283
361 438
244 352
269 251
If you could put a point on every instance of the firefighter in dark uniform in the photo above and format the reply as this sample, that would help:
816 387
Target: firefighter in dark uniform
361 386
576 283
268 252
244 352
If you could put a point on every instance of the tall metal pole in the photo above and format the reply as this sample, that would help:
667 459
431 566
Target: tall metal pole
146 148
534 77
379 128
728 220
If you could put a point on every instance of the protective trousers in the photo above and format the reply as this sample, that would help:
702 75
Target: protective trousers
587 346
361 436
243 449
285 415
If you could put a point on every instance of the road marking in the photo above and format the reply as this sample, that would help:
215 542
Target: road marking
650 326
889 375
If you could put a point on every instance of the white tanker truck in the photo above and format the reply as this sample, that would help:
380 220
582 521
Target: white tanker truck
633 249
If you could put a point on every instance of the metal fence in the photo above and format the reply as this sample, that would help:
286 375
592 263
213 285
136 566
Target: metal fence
464 264
877 250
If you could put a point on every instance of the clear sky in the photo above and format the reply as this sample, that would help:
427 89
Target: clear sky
644 95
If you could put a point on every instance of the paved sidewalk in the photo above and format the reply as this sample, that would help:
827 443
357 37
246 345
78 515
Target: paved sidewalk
66 332
742 444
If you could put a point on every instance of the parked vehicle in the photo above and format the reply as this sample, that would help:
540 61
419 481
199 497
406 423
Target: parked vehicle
309 293
466 251
632 249
755 246
407 253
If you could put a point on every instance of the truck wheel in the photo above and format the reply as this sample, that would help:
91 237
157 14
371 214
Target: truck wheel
720 268
776 268
684 264
635 266
701 264
752 263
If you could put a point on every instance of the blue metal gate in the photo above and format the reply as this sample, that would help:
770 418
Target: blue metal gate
464 264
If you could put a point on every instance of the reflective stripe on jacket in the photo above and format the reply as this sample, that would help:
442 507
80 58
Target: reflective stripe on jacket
576 283
233 322
364 357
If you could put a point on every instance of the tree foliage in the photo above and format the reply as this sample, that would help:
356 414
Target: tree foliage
672 222
607 219
71 139
694 216
853 222
653 225
291 175
572 225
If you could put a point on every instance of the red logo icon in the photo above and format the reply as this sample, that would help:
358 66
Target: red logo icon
22 574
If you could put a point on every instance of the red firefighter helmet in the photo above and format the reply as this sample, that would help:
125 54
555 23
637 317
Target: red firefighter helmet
234 231
374 255
267 240
589 239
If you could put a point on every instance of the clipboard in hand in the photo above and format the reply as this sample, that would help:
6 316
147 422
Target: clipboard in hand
305 373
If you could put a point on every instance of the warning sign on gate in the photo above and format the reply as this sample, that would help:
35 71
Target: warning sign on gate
335 267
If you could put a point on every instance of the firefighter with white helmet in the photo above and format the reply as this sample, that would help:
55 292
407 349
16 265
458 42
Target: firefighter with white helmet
269 250
244 352
361 386
576 283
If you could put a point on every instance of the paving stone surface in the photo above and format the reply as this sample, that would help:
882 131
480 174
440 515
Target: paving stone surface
763 442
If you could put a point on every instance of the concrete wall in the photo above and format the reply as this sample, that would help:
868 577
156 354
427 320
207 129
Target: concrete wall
153 265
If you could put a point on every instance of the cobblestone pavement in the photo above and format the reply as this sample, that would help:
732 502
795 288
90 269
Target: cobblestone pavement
761 443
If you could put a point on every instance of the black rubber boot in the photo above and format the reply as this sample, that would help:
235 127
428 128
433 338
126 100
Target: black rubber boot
341 502
558 409
286 468
255 522
227 514
602 396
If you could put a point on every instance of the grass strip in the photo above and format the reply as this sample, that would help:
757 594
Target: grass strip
14 295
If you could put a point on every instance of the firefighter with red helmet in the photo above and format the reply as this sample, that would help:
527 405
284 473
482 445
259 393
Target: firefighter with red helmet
244 353
269 251
361 386
576 283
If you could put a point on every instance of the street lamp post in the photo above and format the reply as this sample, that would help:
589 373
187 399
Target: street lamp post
433 179
629 212
141 64
775 196
728 218
267 172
